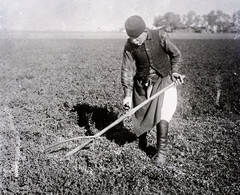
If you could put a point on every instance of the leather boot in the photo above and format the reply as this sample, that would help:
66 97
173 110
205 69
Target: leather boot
143 141
162 140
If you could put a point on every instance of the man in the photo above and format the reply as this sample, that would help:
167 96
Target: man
150 63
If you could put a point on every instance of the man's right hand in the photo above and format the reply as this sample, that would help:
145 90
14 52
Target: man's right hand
127 102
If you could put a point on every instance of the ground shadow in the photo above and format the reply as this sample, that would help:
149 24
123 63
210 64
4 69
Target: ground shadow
95 119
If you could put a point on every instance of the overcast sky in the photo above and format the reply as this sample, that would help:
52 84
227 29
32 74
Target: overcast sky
98 14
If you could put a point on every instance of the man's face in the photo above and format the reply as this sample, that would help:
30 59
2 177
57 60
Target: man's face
140 39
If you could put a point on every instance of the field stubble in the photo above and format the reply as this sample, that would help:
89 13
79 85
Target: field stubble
54 89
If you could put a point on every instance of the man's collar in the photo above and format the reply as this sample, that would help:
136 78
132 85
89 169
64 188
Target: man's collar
149 34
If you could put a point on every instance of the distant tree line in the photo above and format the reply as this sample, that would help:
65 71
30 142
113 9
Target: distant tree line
215 22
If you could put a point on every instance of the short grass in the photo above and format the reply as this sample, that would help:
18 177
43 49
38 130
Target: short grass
55 89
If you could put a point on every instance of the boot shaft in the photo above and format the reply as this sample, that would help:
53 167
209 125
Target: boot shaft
143 141
162 135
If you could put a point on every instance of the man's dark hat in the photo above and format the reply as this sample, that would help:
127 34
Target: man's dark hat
135 26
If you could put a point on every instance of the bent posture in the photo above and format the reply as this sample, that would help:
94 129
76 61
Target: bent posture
150 63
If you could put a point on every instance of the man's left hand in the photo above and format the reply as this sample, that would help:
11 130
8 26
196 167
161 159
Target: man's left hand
177 78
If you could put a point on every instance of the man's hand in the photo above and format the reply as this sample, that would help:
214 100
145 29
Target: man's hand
127 102
177 78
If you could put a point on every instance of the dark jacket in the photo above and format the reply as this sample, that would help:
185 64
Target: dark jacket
158 53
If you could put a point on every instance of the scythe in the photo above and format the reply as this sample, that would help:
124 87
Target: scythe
129 113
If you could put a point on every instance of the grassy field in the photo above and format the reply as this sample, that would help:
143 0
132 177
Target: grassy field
108 35
54 89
